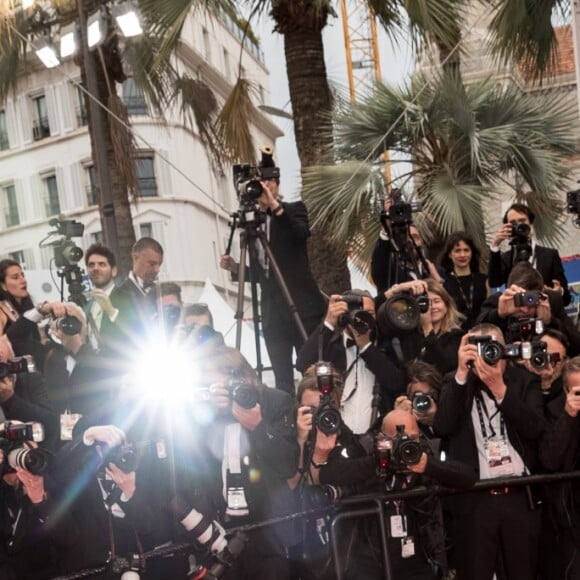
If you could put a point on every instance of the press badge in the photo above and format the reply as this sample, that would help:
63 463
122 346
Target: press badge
237 499
407 547
398 526
498 457
67 424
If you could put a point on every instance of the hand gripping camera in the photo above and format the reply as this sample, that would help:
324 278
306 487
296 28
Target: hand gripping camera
397 453
361 320
16 454
326 417
247 177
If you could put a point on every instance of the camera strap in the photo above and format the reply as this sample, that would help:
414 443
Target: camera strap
232 477
467 299
481 410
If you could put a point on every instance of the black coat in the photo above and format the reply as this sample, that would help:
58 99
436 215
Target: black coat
547 262
388 376
522 410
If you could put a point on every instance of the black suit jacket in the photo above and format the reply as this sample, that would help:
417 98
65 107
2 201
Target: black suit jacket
560 320
522 410
288 235
388 376
547 262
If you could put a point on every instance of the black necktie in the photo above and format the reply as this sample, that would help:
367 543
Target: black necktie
350 342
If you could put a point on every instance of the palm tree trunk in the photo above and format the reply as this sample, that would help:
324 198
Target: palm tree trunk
311 103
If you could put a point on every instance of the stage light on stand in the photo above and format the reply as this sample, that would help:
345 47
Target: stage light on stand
96 29
127 18
46 52
68 40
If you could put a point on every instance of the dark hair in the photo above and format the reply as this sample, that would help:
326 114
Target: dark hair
484 328
525 275
520 208
170 289
101 250
26 303
572 365
198 309
309 382
556 335
229 360
452 241
147 244
422 372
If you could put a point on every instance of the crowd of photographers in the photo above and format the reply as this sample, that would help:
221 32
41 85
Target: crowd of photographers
120 458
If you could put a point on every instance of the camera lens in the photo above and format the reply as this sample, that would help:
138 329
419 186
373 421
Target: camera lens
245 396
422 402
539 361
399 314
492 353
69 325
328 420
253 189
33 460
409 452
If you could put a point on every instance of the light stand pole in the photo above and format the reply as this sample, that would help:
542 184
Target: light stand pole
98 129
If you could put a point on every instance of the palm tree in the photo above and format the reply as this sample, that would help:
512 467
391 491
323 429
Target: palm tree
463 143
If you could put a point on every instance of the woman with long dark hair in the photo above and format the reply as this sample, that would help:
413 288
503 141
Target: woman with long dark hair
14 297
463 280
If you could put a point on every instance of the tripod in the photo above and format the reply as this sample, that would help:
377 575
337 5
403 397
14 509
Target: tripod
249 219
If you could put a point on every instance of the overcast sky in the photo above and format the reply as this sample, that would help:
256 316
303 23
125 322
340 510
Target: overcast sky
396 64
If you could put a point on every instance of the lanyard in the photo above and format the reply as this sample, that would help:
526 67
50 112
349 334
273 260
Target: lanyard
481 409
352 365
468 301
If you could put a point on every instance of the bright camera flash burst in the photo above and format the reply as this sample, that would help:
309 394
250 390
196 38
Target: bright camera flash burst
165 373
27 4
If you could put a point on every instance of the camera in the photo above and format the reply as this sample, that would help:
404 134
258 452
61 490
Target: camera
17 456
358 318
520 242
68 228
69 325
326 417
521 230
320 496
541 359
398 453
247 177
124 457
422 402
525 328
401 213
530 298
241 393
20 364
488 349
401 313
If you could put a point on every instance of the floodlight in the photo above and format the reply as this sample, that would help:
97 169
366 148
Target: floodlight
68 40
96 29
27 4
127 17
46 53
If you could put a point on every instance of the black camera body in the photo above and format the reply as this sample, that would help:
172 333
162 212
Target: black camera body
529 298
396 454
491 351
520 242
326 417
401 213
356 316
125 457
241 393
573 201
69 325
20 364
16 455
525 329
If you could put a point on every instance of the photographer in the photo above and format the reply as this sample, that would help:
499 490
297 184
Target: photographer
436 337
416 537
29 536
517 226
347 340
559 451
492 415
287 231
252 433
527 299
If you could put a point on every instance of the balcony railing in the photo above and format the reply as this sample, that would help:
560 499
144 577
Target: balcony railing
40 128
92 194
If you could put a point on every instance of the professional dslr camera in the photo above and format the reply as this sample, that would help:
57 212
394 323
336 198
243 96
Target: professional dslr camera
398 453
520 242
422 402
573 205
247 177
16 456
356 316
491 351
241 393
20 364
69 325
525 328
400 314
326 417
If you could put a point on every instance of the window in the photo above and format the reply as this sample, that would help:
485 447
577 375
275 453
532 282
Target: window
206 45
82 115
146 230
91 185
40 124
4 142
146 176
51 201
11 217
133 98
97 238
18 256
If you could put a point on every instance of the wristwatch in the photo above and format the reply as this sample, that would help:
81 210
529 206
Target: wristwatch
318 465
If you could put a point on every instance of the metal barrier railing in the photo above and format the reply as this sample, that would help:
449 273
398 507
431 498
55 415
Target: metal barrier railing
348 508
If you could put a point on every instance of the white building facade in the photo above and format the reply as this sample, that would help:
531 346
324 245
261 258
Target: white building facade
46 168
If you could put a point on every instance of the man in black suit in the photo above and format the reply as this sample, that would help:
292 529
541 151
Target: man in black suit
136 302
524 248
492 417
287 230
352 352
